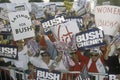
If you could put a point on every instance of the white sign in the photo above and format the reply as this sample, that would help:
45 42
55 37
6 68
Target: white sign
46 1
3 11
19 1
53 22
21 25
108 17
112 77
79 4
65 31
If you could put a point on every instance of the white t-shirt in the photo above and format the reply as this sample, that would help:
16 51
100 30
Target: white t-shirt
44 65
35 60
38 62
22 61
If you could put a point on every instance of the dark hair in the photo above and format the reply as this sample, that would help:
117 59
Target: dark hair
45 53
29 63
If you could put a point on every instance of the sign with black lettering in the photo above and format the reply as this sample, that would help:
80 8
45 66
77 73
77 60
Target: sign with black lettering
9 51
44 74
21 25
90 38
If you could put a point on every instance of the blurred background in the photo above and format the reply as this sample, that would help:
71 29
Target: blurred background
99 2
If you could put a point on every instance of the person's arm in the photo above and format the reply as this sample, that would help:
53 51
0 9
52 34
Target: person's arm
82 57
107 53
56 62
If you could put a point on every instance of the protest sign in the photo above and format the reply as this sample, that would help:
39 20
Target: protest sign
44 74
107 17
22 7
4 28
32 46
9 51
19 1
40 9
113 77
64 31
21 25
90 38
3 11
37 9
79 6
47 25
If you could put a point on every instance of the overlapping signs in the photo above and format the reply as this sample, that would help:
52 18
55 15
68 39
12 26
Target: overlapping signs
90 38
63 28
44 74
39 9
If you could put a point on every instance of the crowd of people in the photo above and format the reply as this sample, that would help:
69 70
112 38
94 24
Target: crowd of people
52 57
42 52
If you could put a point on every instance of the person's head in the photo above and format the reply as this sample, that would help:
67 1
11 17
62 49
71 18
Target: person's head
45 56
20 44
95 54
31 67
103 47
73 54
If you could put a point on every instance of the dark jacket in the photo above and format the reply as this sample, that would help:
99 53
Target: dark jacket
113 64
